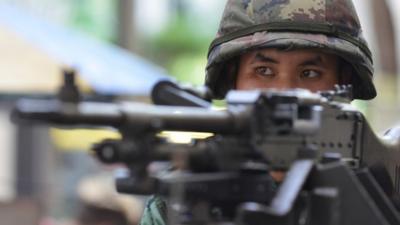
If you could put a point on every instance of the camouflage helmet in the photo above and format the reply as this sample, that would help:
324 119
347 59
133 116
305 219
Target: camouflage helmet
328 25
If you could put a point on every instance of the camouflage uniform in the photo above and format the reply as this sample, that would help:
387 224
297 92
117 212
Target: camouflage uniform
154 212
330 26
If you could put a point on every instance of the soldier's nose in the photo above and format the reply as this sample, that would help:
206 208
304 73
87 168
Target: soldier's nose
285 82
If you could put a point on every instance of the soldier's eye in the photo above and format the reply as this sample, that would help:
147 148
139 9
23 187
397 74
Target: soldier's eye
310 74
264 71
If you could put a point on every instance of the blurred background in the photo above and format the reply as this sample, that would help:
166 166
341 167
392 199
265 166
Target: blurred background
119 49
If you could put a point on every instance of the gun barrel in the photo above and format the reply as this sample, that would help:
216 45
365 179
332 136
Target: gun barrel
56 112
133 116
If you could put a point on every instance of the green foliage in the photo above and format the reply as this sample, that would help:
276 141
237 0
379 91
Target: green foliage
97 18
188 68
181 48
181 36
362 106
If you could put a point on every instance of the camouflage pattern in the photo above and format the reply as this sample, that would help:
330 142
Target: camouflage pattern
154 212
328 25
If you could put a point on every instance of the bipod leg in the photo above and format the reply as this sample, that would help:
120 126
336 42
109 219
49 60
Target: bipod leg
283 202
355 204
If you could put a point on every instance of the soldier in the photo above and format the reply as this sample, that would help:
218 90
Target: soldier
311 44
259 34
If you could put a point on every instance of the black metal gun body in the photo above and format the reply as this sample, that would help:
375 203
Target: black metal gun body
325 146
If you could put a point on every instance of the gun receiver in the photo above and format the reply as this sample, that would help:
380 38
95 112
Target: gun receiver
337 170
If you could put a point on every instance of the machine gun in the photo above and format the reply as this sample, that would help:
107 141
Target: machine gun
337 171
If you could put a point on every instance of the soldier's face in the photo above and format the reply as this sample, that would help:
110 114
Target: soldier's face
272 68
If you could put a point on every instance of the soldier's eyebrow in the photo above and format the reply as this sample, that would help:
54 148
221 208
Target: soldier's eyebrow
315 61
260 57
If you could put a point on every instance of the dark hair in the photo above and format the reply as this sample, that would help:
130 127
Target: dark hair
345 72
228 75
